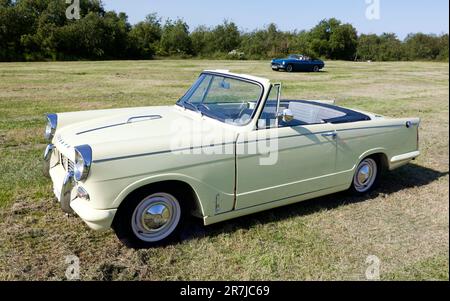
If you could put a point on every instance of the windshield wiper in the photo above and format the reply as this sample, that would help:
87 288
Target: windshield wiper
186 105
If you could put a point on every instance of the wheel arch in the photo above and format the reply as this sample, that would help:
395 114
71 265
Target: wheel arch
379 154
167 184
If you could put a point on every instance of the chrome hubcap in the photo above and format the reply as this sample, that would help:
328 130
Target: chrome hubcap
365 175
156 217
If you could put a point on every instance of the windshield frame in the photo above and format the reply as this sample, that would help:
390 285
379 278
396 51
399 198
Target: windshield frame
194 87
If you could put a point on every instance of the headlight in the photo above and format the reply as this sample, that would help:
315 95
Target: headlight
83 161
50 129
284 63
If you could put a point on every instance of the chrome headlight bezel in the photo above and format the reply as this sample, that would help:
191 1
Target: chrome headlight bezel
50 129
82 163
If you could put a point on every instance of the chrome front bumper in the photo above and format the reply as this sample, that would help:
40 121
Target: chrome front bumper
64 188
277 67
53 169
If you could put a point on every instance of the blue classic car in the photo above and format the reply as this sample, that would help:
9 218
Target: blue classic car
297 63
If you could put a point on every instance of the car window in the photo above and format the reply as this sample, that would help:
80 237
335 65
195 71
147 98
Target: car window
227 99
227 90
267 119
199 93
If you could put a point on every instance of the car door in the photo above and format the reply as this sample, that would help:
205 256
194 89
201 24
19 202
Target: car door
276 162
307 65
302 65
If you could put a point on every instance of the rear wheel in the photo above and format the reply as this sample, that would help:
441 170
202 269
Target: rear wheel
150 221
289 68
366 176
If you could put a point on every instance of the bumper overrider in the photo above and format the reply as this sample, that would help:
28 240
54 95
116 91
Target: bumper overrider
67 179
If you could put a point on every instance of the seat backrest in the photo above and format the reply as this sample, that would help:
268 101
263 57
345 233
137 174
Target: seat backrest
312 114
303 112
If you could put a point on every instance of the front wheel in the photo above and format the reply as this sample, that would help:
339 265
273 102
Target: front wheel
366 176
316 68
152 221
289 68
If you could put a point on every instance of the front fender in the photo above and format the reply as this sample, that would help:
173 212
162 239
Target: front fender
207 196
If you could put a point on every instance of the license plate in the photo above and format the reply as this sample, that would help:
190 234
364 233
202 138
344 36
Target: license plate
274 67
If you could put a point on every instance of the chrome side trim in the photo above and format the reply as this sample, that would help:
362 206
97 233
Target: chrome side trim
159 152
239 142
371 127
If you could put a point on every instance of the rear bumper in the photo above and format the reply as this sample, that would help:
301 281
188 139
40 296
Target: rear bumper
402 159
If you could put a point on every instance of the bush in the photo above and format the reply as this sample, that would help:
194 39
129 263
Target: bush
39 30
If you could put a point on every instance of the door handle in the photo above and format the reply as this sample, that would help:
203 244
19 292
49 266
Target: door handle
330 134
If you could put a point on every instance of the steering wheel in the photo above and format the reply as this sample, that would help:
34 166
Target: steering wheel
244 106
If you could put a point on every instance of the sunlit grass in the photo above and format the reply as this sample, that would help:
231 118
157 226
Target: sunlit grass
404 223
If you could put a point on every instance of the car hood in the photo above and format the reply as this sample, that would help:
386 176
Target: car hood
279 60
128 132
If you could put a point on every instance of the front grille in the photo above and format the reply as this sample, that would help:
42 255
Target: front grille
66 163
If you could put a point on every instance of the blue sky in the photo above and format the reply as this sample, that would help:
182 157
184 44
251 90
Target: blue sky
398 16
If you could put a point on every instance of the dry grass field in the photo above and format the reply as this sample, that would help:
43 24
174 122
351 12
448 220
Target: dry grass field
405 223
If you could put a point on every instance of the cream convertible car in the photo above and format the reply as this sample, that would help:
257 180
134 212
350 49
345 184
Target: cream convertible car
229 147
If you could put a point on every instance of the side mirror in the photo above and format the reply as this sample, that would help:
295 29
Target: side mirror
286 115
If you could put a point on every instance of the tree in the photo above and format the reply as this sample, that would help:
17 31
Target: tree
390 49
420 46
343 42
267 43
175 39
145 36
334 40
368 47
226 37
443 48
40 30
202 41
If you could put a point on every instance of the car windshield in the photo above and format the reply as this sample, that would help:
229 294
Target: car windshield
229 100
